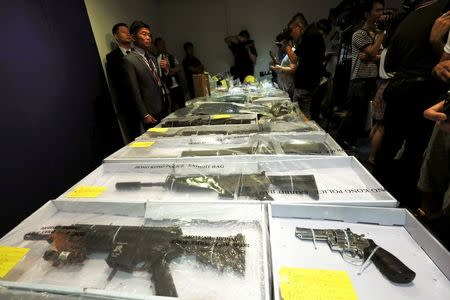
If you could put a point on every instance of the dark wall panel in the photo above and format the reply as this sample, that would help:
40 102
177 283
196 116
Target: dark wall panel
57 120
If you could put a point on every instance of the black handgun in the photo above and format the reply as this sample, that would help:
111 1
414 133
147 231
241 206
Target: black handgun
132 248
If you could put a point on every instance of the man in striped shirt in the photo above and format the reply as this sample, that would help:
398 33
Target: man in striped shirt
366 44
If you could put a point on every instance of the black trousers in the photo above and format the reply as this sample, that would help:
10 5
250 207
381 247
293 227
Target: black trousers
177 97
130 124
360 92
406 99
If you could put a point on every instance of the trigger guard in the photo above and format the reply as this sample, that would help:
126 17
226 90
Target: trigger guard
354 260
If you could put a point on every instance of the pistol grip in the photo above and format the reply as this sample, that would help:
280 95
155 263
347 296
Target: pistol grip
163 280
389 265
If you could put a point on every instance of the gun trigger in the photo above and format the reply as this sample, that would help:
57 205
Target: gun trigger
112 274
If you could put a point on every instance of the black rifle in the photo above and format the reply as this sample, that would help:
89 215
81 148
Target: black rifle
228 186
203 121
132 248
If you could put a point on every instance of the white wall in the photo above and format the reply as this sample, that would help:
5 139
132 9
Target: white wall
205 23
103 14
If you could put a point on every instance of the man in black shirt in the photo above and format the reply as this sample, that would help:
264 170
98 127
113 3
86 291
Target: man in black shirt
191 65
411 56
309 56
244 53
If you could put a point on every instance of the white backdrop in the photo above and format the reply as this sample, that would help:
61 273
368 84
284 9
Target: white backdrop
205 23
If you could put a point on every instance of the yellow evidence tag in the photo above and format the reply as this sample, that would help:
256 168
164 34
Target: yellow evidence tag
314 284
224 116
86 192
159 130
9 258
141 144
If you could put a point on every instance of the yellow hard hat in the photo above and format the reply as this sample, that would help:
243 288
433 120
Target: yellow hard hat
249 79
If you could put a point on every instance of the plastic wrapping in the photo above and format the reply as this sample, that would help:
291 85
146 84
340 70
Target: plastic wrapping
289 127
198 131
232 129
265 91
276 110
235 98
180 146
217 108
116 256
244 277
302 144
223 145
25 294
394 230
227 119
325 180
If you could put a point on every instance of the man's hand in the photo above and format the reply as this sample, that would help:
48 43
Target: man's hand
277 68
435 113
150 120
164 64
363 56
442 71
440 28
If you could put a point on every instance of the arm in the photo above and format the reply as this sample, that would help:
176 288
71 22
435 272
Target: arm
442 71
445 56
175 69
364 57
231 39
291 54
372 50
440 28
446 53
252 54
435 113
288 70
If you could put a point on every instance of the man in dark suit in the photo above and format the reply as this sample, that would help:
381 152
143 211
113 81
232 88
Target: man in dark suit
145 85
126 110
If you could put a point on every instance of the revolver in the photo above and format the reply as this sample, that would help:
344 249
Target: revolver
356 249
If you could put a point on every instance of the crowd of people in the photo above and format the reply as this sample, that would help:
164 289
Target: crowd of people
399 71
398 75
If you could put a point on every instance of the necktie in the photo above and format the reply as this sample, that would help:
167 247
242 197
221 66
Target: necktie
153 69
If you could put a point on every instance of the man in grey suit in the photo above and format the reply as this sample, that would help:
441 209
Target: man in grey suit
145 85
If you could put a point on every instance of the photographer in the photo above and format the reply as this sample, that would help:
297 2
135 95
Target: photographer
309 57
244 53
286 69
